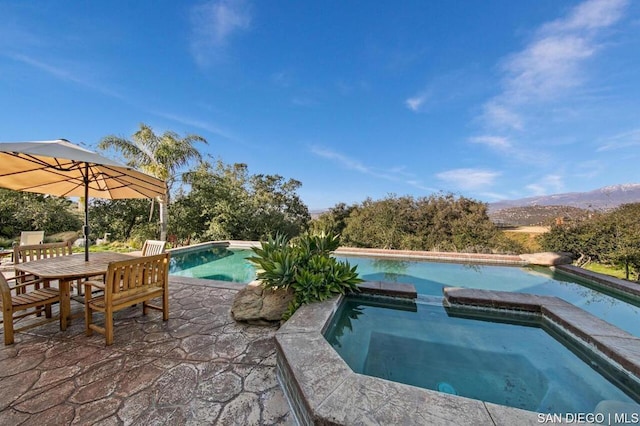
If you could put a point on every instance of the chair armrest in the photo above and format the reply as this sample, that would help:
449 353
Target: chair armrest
97 284
24 284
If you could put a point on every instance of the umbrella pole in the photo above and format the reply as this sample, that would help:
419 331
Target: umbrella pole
85 228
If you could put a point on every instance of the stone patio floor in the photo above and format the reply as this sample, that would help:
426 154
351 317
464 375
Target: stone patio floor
200 367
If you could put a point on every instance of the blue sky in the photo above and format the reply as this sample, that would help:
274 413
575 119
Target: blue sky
488 99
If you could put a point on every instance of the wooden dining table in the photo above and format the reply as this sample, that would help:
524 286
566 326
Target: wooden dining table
66 269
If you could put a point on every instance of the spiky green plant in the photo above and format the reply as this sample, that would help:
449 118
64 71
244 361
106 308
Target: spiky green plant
305 266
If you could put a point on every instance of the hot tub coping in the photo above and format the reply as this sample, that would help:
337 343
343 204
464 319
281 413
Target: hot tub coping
323 390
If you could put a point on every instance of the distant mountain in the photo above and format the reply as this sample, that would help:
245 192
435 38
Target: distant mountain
316 213
605 198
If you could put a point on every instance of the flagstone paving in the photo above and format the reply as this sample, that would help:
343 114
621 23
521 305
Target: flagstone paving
200 367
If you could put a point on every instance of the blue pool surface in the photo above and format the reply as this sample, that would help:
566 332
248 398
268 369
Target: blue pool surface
429 278
519 365
214 263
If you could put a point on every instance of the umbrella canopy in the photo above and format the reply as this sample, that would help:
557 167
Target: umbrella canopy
61 168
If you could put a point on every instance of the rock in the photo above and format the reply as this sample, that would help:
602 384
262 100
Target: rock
258 305
80 242
547 258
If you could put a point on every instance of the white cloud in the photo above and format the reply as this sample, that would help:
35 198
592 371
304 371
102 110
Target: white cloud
282 79
495 142
343 160
549 184
552 64
494 196
536 189
415 102
590 15
546 68
209 127
588 169
394 174
65 74
501 116
468 179
508 148
213 23
620 141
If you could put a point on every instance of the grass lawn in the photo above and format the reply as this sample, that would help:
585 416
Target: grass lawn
526 236
71 235
607 270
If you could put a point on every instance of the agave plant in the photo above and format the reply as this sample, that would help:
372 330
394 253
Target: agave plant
305 266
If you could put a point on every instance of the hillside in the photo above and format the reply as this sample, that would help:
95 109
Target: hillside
536 215
605 198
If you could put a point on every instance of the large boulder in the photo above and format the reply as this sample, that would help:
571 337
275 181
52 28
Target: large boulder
255 304
547 258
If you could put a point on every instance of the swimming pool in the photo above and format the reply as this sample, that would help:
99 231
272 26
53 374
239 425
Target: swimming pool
214 263
505 360
429 278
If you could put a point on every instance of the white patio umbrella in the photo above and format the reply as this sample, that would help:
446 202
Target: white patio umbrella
61 168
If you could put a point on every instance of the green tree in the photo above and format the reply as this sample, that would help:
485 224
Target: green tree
123 219
277 207
382 224
219 202
26 211
226 202
439 222
611 238
334 220
624 243
161 156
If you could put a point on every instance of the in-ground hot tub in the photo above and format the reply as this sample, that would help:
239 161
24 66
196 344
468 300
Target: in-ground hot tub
323 389
511 360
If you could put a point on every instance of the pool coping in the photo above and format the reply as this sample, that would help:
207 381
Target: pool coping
617 285
458 257
323 390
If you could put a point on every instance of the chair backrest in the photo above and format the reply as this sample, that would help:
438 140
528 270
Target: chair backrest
28 253
28 238
130 277
152 247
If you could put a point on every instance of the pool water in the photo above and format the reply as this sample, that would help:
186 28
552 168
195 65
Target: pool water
516 364
214 263
429 278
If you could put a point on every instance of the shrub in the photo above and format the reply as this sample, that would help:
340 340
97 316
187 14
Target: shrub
304 265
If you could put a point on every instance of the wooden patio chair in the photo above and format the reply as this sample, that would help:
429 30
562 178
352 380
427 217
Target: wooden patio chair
127 283
34 301
153 247
28 253
28 238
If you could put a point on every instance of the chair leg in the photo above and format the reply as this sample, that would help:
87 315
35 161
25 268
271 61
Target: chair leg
88 320
88 314
165 305
108 326
47 311
7 318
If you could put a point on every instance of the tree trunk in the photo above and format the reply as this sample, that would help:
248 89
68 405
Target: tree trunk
626 270
163 220
153 203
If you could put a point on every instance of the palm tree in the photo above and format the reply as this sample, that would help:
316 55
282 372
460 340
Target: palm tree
160 156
